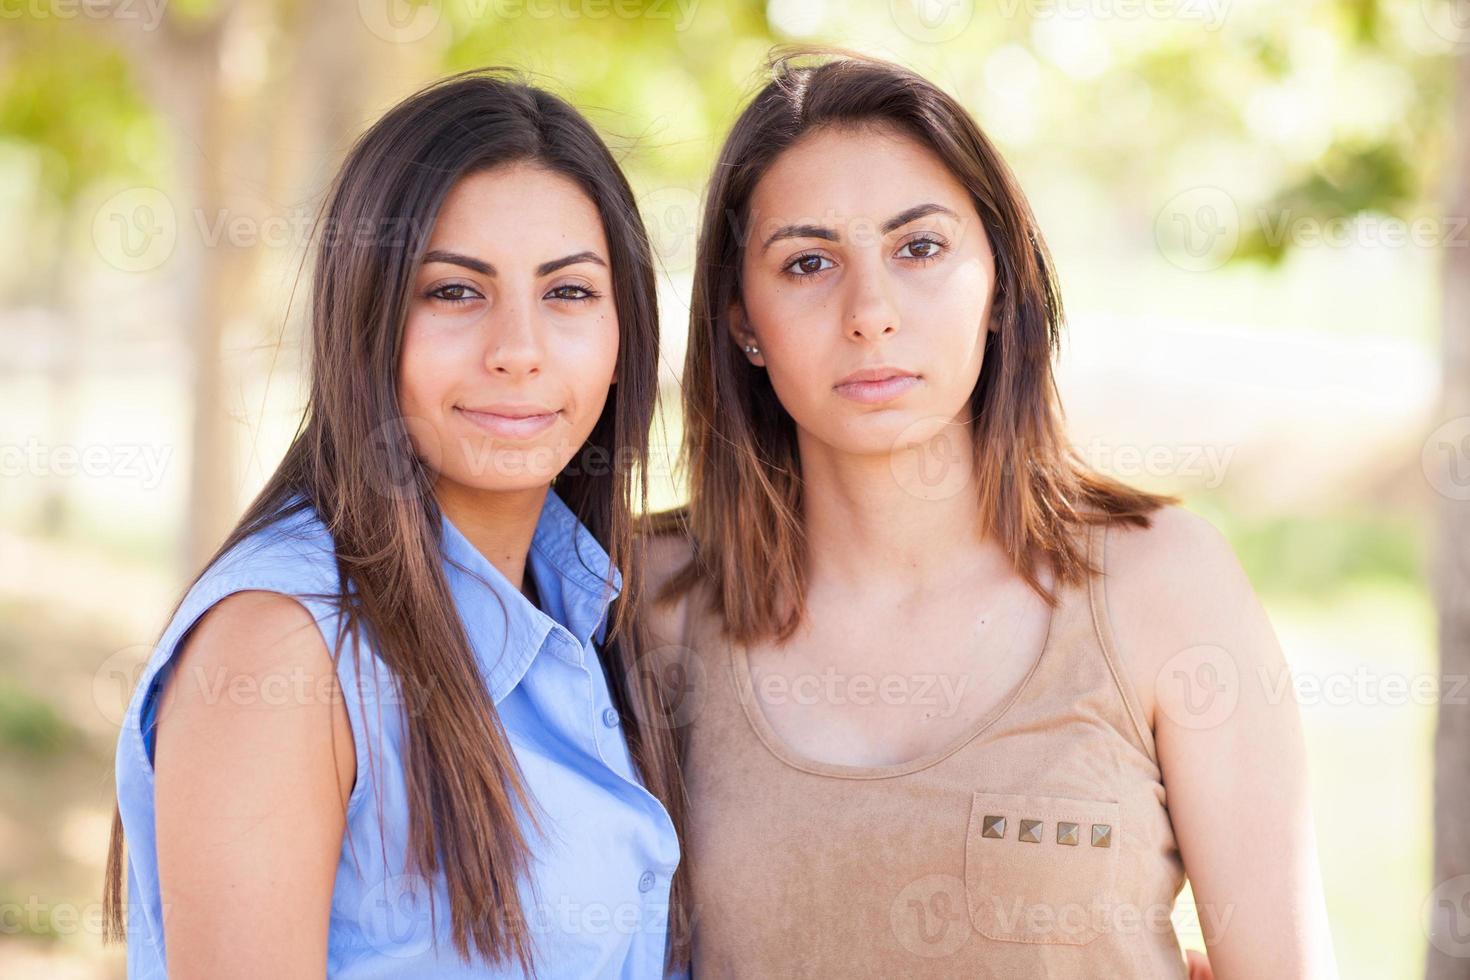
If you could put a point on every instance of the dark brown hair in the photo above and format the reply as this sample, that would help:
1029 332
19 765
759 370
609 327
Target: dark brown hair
740 447
353 463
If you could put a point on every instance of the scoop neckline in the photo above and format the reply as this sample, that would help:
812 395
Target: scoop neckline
739 663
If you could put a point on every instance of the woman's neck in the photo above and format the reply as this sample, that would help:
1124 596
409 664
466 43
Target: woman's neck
915 511
500 524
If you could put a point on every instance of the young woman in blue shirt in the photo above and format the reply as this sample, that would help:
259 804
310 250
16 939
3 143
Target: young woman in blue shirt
395 727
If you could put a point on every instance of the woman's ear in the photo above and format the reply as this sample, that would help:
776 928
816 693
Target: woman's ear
741 333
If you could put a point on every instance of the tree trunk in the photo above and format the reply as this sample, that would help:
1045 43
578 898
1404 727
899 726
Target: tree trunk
1447 458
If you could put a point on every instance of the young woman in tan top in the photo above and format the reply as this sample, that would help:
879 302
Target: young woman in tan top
953 704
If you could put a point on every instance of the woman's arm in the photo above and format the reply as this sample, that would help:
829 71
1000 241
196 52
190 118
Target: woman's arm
254 764
1214 688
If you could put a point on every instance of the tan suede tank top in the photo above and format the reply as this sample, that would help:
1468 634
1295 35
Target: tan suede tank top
1036 845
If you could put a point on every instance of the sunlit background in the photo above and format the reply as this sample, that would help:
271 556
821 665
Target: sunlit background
1252 204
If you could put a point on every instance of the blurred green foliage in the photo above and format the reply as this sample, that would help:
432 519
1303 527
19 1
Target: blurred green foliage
29 725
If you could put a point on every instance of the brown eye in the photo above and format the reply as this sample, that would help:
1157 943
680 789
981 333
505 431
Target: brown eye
573 292
807 265
453 292
922 248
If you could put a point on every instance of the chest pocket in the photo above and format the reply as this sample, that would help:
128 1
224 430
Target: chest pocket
1041 869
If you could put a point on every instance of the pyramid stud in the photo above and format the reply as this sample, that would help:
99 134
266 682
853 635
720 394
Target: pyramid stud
1031 831
993 826
1067 833
1102 835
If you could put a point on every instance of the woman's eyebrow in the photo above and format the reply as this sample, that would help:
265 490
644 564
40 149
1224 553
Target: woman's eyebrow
486 269
800 231
827 234
455 258
546 268
913 213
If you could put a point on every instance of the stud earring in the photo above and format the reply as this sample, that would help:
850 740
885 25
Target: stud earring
751 349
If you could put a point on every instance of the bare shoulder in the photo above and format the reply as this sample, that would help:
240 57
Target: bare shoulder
256 633
1176 541
255 765
1180 565
254 677
1174 586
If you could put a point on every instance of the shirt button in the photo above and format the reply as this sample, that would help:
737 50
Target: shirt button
610 717
645 881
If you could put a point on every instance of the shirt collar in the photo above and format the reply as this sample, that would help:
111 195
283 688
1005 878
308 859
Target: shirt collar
505 630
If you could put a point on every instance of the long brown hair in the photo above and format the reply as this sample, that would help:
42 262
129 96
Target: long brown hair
740 448
353 463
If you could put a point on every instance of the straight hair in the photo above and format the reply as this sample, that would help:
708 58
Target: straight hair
353 463
740 448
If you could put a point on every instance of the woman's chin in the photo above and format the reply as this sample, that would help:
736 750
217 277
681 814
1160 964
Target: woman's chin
506 469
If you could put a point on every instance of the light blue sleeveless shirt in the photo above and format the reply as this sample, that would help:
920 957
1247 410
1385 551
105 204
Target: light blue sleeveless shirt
598 891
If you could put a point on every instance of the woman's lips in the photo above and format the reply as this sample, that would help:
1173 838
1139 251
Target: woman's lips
875 391
511 423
